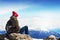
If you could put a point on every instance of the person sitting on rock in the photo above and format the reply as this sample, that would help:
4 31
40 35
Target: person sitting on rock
12 25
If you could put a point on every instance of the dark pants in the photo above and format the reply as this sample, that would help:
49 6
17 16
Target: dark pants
24 30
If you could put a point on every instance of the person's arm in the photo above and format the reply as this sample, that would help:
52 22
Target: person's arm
16 25
7 25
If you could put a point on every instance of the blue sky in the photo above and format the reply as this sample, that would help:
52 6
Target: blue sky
39 13
32 6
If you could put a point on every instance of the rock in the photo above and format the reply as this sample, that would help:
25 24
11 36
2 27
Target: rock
58 38
18 36
1 37
5 38
15 36
51 37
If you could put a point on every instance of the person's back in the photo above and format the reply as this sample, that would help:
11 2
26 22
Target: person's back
12 25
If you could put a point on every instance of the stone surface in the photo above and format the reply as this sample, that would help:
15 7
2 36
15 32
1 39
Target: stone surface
51 37
15 36
1 37
18 36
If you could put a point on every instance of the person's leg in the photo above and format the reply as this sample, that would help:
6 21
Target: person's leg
24 29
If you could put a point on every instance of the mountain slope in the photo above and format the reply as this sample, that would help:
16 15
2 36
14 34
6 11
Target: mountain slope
38 34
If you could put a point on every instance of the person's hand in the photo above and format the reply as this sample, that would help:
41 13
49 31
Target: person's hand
10 26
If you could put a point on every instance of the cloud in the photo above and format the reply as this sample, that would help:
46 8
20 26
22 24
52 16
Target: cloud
40 24
35 23
7 9
46 21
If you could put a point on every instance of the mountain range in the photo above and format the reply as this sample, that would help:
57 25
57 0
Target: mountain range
39 34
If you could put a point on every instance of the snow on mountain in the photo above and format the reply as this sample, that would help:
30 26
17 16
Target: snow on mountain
38 34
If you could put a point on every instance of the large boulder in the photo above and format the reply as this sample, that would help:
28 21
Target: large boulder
15 36
18 36
51 37
1 37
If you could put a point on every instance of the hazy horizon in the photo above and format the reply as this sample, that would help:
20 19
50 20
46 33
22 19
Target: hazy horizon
37 14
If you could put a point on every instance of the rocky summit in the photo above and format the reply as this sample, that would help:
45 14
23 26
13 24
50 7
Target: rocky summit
15 36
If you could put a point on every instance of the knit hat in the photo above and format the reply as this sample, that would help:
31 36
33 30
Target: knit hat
14 14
